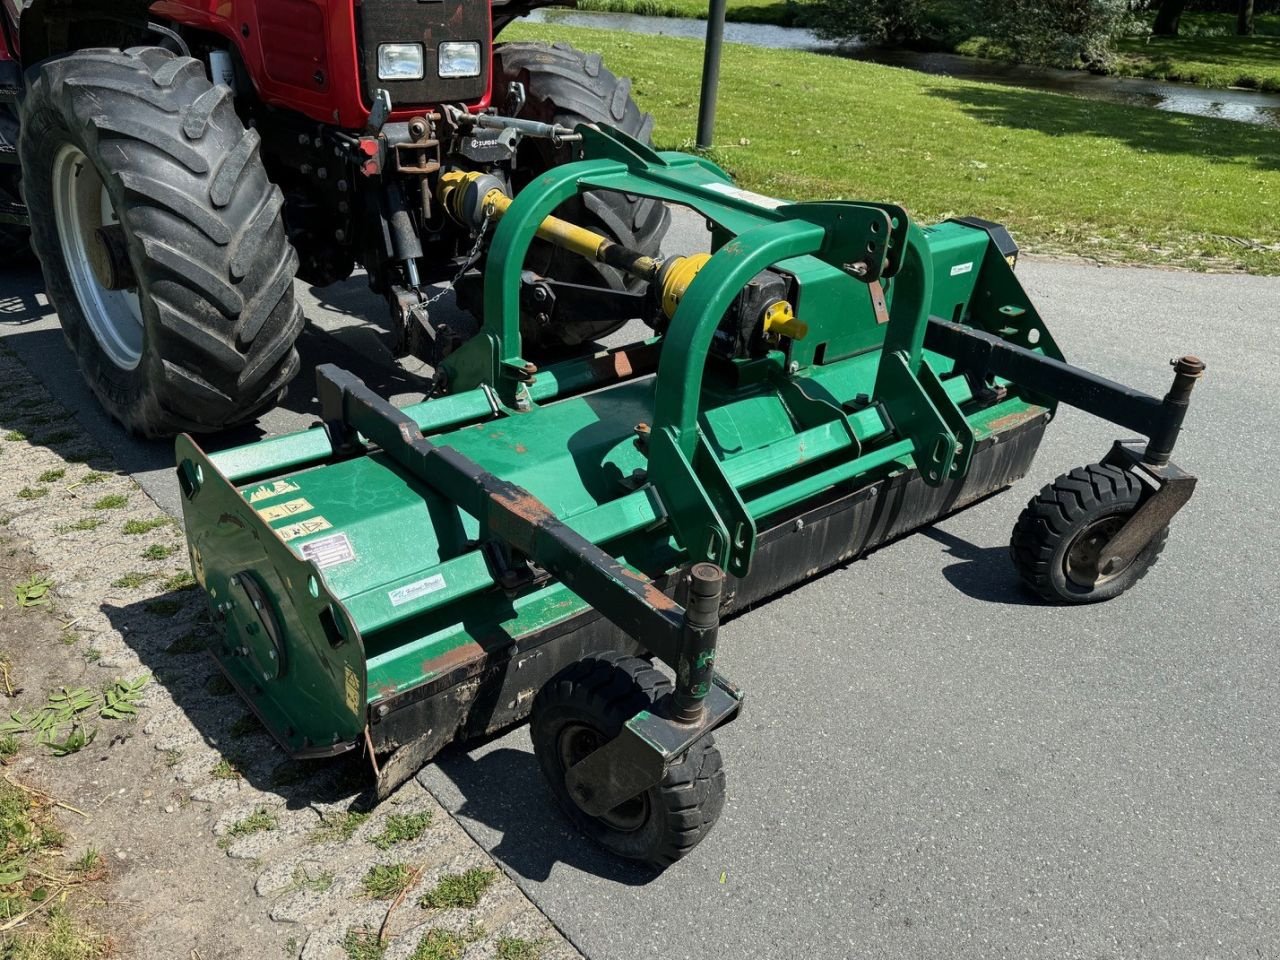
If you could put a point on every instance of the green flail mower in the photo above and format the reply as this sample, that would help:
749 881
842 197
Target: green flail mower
525 545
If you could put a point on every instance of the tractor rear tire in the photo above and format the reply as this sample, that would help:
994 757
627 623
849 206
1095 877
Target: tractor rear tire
1056 541
15 242
565 86
585 706
192 325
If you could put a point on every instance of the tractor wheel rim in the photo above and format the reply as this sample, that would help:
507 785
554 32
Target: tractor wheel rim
1085 553
81 205
577 742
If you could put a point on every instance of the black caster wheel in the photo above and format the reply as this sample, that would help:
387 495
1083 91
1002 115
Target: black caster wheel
1057 541
584 707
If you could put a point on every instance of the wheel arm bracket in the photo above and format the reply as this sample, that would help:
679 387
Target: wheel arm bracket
637 758
1173 488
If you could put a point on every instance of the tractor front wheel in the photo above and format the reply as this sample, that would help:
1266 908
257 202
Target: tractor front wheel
161 239
583 708
1058 540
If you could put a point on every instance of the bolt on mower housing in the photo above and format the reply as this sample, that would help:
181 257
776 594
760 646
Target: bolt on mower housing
392 580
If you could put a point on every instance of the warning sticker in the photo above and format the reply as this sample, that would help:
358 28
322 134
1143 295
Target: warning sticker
413 591
269 490
353 689
300 529
289 509
329 551
759 199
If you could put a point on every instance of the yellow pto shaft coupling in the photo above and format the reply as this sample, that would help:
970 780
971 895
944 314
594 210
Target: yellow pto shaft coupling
472 198
677 274
675 277
780 318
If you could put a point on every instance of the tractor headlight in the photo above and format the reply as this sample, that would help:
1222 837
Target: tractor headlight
459 59
400 61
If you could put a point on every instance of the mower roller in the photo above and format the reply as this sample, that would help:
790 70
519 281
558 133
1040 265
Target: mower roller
831 376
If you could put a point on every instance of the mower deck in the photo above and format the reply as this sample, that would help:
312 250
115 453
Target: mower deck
831 377
436 611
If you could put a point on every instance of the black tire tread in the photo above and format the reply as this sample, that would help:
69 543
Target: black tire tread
206 234
1051 515
620 686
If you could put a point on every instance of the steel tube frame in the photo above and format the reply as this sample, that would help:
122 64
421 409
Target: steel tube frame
983 355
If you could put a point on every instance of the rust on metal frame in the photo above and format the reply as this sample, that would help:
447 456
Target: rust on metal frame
523 504
1015 419
463 655
878 303
625 363
653 595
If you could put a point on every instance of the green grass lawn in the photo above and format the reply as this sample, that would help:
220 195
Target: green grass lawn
785 13
1069 176
1207 52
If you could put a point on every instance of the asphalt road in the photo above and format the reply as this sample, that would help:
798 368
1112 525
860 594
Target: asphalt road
931 765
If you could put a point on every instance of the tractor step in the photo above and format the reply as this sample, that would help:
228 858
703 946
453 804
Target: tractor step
14 214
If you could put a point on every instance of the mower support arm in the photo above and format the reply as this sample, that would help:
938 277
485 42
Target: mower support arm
1160 421
982 355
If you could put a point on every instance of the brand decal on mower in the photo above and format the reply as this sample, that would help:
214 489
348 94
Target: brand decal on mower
412 591
282 510
270 490
960 269
329 551
304 527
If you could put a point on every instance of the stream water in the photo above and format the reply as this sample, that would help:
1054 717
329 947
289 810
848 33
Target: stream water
1245 106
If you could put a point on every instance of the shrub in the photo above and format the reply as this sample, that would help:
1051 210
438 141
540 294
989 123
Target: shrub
1064 33
878 22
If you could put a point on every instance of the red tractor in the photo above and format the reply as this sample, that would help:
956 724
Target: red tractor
182 161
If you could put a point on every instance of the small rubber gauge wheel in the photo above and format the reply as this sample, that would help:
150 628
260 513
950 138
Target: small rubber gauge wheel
584 707
1057 542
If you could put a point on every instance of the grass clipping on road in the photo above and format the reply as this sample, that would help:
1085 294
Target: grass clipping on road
1068 176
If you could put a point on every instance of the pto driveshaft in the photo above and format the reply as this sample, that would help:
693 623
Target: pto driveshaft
473 198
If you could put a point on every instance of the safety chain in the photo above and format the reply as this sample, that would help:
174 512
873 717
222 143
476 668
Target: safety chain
439 379
467 264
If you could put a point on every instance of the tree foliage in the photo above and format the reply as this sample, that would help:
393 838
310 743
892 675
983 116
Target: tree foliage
1065 33
1069 33
878 22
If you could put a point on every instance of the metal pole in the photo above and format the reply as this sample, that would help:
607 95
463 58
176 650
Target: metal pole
710 74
